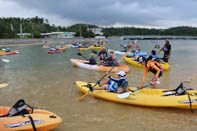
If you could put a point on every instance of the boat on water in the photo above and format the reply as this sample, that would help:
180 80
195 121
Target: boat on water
146 96
9 53
132 61
22 117
82 64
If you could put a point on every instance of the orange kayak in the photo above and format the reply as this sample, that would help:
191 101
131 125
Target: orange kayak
81 64
9 53
56 51
42 119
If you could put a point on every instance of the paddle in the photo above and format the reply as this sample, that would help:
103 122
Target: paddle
98 82
79 54
3 85
127 94
94 51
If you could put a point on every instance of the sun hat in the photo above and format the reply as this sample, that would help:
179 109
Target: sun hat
121 73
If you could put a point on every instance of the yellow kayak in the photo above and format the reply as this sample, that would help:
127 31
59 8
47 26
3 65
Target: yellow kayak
131 61
145 97
82 64
96 47
83 49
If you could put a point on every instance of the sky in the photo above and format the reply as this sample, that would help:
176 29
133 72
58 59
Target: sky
107 13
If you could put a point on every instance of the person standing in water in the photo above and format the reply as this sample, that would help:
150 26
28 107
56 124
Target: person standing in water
167 51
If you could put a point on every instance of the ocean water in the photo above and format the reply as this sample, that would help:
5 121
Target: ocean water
47 81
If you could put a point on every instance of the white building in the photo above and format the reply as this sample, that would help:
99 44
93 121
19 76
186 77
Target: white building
23 35
96 31
58 35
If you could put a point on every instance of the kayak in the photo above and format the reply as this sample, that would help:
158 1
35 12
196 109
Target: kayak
145 97
3 85
56 51
83 49
129 54
9 53
43 120
81 64
131 61
96 47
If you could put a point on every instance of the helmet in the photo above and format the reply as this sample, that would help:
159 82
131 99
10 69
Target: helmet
121 73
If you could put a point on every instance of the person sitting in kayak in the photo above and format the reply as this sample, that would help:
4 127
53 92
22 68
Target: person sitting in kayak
103 54
153 55
111 60
7 50
92 60
117 85
152 66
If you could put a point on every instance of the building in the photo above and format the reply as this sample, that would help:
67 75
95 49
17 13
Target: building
96 31
23 35
58 35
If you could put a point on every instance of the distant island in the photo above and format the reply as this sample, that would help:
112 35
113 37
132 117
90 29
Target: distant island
10 27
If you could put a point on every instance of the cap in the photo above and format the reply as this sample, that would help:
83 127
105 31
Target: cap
141 59
121 73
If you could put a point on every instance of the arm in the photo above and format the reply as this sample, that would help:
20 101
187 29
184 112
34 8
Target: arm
160 50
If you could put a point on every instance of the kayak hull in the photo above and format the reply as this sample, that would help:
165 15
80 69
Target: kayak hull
131 61
144 97
9 53
81 64
43 120
56 51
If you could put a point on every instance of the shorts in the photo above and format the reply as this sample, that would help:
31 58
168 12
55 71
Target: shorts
110 89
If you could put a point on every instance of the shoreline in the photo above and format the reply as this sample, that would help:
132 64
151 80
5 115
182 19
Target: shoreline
23 42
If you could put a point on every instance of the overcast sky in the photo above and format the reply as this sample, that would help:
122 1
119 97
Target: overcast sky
140 13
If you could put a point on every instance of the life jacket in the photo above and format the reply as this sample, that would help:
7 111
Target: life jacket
153 56
152 69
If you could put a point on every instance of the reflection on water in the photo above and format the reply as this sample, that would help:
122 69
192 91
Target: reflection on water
47 81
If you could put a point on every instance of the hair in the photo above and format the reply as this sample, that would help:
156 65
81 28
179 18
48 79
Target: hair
153 52
167 42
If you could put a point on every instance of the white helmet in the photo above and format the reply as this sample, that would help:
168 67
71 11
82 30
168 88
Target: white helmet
121 73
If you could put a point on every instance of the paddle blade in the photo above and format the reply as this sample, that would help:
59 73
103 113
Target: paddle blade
124 95
94 51
5 60
3 85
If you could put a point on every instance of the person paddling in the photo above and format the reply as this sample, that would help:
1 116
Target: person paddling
110 61
152 66
116 85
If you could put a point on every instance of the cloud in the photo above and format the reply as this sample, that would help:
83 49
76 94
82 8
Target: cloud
154 13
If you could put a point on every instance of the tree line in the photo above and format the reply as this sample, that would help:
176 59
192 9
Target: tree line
9 27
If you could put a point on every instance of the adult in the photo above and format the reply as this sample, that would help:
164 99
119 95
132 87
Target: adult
167 51
103 54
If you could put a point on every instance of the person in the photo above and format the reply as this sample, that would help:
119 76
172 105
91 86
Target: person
116 85
103 54
153 55
152 66
92 60
167 51
7 50
52 48
111 60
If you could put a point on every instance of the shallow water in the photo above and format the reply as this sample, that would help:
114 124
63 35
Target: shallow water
47 81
